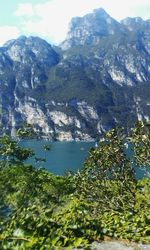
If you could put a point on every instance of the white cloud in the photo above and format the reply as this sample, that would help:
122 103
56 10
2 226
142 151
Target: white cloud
50 19
25 9
7 33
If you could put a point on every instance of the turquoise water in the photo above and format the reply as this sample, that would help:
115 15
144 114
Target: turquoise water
63 156
66 156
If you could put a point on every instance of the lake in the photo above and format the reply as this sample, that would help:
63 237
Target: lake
64 156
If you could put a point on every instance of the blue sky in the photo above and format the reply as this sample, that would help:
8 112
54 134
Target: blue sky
49 18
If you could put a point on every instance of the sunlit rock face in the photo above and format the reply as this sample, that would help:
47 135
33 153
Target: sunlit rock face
91 28
99 77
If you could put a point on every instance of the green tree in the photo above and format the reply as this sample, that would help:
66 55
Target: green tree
108 175
12 153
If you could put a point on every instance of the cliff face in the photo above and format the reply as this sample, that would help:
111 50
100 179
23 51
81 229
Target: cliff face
91 29
24 64
99 77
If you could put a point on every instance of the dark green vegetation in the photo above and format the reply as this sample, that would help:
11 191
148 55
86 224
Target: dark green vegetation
104 200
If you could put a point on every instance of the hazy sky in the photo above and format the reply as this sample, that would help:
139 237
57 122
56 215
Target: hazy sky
49 18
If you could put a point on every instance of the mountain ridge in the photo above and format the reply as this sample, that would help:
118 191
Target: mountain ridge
96 79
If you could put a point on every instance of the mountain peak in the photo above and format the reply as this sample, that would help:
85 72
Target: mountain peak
22 37
89 29
30 49
100 11
132 22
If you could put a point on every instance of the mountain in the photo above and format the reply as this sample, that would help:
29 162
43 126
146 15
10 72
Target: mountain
91 28
24 64
99 77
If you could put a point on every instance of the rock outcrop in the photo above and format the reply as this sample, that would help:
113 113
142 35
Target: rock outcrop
98 78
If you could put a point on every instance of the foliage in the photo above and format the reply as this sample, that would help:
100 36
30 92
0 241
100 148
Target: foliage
11 152
140 139
39 210
26 132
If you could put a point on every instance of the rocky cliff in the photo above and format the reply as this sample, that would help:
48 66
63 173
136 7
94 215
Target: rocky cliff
98 78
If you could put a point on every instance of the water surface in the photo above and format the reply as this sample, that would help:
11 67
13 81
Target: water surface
63 156
67 156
